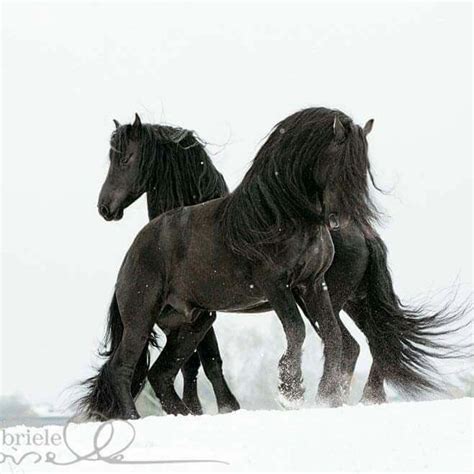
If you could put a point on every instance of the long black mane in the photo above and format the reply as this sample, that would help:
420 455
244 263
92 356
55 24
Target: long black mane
175 168
301 171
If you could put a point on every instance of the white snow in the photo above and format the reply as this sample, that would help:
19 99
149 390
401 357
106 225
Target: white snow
423 436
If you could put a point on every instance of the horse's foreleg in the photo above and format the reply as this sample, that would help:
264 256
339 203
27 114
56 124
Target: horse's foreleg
180 345
209 355
350 347
211 360
291 380
319 311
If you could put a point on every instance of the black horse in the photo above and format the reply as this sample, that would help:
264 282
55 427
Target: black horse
266 242
404 341
173 168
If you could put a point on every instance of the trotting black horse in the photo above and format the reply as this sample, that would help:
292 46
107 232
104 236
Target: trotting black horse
266 242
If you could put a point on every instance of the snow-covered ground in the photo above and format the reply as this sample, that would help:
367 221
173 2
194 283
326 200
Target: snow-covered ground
423 436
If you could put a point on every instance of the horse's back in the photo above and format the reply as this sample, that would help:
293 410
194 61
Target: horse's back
168 237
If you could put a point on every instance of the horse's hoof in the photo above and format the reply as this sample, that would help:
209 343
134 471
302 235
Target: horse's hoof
346 390
331 399
229 407
290 403
373 399
291 398
326 402
177 409
131 415
194 407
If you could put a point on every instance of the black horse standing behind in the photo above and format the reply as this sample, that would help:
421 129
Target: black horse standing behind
172 167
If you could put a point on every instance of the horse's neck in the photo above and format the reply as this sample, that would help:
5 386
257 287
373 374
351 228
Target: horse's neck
155 205
152 204
187 190
160 200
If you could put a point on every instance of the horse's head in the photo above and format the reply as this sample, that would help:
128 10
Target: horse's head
122 185
342 169
342 147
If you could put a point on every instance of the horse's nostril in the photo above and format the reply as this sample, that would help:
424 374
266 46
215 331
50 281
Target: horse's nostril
104 210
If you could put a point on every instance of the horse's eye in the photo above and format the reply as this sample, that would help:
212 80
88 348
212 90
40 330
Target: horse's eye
126 158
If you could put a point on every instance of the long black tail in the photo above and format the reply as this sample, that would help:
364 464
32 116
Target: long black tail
100 401
405 342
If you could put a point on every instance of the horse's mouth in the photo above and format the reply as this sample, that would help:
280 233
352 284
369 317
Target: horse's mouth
116 216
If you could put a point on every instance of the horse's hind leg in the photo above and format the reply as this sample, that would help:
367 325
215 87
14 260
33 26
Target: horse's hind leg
137 320
374 391
350 354
190 392
291 379
180 345
211 360
319 311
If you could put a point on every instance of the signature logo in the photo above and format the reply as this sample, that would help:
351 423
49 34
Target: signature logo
110 441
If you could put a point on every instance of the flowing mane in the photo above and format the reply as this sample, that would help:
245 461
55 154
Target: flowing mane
174 166
300 172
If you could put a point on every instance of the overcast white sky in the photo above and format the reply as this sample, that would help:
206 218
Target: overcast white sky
230 72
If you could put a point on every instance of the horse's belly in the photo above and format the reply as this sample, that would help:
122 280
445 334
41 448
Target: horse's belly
236 299
246 308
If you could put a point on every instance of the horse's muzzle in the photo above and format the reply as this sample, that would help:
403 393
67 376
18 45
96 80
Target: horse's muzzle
108 215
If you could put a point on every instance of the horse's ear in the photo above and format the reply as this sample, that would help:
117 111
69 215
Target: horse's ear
138 123
368 127
338 130
117 124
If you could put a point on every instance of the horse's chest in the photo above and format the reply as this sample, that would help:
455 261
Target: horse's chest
315 256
